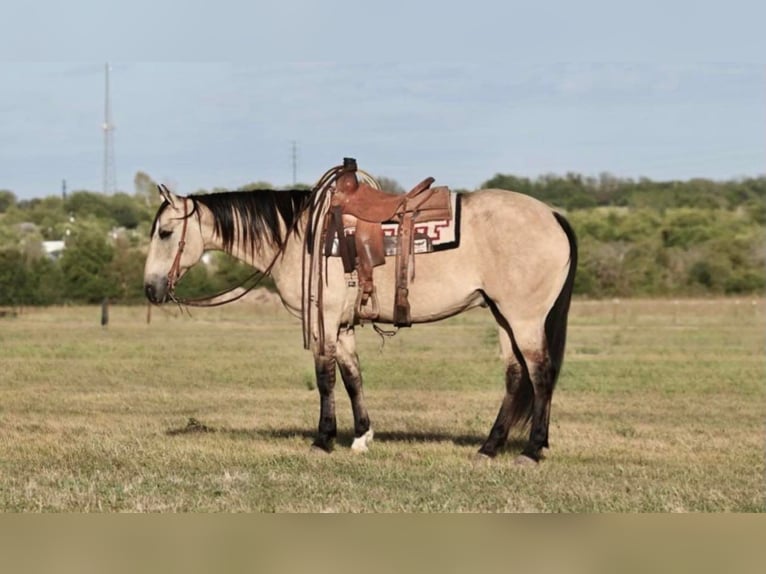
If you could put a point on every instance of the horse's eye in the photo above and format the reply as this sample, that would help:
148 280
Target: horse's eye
165 234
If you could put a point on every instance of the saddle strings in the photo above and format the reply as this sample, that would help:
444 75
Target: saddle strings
311 280
314 276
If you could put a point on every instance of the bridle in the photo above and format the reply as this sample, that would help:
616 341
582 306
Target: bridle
175 269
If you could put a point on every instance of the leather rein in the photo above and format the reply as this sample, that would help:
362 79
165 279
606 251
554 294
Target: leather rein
209 301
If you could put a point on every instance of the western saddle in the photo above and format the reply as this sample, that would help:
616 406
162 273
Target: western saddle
362 207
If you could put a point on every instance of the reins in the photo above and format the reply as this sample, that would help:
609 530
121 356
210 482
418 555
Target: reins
210 300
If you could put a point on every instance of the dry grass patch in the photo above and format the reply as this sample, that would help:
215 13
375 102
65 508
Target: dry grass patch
659 408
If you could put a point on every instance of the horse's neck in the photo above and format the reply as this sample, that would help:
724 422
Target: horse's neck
260 258
287 272
284 266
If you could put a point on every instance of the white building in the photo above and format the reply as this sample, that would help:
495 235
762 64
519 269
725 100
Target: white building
53 249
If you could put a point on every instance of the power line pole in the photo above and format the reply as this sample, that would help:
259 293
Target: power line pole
109 176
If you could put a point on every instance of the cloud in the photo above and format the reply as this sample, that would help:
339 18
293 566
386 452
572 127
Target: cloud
224 124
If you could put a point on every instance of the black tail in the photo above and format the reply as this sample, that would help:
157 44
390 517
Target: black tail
556 321
555 335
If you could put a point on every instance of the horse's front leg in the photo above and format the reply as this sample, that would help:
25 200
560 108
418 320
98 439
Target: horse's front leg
348 361
324 365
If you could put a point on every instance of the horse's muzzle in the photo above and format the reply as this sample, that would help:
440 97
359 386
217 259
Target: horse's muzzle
156 293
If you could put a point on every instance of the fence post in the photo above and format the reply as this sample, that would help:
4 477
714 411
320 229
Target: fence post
105 312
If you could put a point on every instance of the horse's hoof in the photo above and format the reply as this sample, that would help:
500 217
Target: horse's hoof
362 443
524 460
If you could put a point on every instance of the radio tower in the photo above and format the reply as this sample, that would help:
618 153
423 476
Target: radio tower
110 178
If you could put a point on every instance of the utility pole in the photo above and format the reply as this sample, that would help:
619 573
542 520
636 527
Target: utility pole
110 178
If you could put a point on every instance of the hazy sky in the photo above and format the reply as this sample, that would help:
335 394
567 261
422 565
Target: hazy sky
199 124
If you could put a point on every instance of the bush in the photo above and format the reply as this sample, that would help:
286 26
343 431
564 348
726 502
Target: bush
84 266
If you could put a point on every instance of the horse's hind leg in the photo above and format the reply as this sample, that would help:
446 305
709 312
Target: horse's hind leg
535 400
542 378
348 362
529 387
514 374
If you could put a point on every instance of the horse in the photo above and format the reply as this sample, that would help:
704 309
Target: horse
516 256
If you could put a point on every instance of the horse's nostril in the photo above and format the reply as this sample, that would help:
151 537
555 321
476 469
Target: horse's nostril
150 293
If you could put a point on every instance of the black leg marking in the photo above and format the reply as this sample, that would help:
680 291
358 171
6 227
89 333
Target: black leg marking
543 379
348 362
325 373
499 433
353 383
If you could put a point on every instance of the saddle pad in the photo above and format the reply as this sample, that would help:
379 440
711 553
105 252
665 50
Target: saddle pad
428 236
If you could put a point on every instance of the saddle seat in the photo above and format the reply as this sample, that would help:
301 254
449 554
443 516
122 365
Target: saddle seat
378 206
361 206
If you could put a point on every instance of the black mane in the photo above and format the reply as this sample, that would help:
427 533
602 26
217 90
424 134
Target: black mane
260 212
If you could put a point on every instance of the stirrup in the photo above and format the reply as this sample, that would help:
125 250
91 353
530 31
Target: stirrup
368 310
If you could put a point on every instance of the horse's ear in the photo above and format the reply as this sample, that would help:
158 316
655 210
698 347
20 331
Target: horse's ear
166 194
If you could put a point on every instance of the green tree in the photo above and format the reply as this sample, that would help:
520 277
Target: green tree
390 185
7 200
229 272
14 278
46 283
126 270
85 203
126 212
197 282
510 182
255 185
146 190
85 267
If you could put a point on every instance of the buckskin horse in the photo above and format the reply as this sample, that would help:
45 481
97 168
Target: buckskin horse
515 255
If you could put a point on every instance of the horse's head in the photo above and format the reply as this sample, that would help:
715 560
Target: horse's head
176 244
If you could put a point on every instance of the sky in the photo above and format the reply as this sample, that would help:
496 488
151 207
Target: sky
223 109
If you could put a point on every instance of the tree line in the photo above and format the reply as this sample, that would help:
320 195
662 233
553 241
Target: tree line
659 238
637 238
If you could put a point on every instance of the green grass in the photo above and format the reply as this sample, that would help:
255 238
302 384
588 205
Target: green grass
659 408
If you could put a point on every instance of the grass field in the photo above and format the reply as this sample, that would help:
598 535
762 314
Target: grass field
660 407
